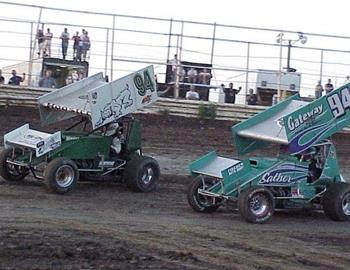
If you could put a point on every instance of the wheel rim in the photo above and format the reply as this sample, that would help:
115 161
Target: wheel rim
258 205
346 204
148 175
202 200
64 176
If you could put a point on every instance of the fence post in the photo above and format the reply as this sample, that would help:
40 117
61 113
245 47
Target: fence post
213 44
321 66
169 42
247 73
106 56
112 48
31 52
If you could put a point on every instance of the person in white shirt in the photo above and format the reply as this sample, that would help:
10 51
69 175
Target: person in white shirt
47 45
174 66
192 75
192 94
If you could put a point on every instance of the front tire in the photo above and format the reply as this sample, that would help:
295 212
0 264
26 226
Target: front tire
336 202
61 175
142 174
198 202
256 205
8 171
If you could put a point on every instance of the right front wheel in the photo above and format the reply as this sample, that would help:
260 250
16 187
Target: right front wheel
256 204
336 202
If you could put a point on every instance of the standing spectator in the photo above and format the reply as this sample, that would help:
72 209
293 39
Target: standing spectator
192 75
65 39
204 77
174 66
347 80
252 98
192 94
85 39
47 47
329 86
2 79
47 81
16 80
318 90
76 39
230 93
41 42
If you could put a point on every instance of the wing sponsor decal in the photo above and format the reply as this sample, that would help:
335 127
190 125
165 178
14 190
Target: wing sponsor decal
284 174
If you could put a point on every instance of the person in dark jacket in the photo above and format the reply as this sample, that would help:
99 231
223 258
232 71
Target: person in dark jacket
16 80
252 98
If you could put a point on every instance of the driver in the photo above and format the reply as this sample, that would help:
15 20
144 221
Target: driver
114 130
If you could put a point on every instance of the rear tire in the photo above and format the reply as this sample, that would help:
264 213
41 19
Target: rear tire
61 175
256 205
198 202
8 171
336 202
142 174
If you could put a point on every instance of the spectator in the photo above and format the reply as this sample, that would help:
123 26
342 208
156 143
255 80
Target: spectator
76 39
204 77
2 79
329 86
47 45
47 81
318 90
347 80
252 98
85 39
192 75
41 42
16 80
192 94
182 74
274 99
174 65
230 93
65 39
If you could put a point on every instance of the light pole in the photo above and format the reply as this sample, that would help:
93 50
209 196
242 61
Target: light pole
290 42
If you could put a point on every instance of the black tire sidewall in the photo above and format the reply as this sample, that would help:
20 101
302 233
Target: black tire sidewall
134 171
50 175
332 201
244 204
4 172
192 197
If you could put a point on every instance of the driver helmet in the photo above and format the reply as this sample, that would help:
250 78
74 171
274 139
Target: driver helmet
111 129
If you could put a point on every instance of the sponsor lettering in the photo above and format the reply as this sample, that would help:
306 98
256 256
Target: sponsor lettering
295 122
236 168
275 178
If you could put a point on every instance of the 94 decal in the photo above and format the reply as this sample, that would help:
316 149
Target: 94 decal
339 102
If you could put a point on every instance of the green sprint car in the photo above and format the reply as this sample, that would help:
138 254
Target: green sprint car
305 173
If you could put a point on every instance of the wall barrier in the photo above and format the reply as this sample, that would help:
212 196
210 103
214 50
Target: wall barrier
27 97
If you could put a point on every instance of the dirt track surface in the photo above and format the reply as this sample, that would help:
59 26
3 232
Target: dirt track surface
105 226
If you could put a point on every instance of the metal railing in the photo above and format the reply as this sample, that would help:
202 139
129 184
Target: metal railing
127 42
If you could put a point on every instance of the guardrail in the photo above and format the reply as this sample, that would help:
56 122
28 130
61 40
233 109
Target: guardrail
27 97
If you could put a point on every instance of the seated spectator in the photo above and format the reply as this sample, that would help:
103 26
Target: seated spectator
47 81
204 77
192 75
192 94
2 79
230 93
16 80
252 98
